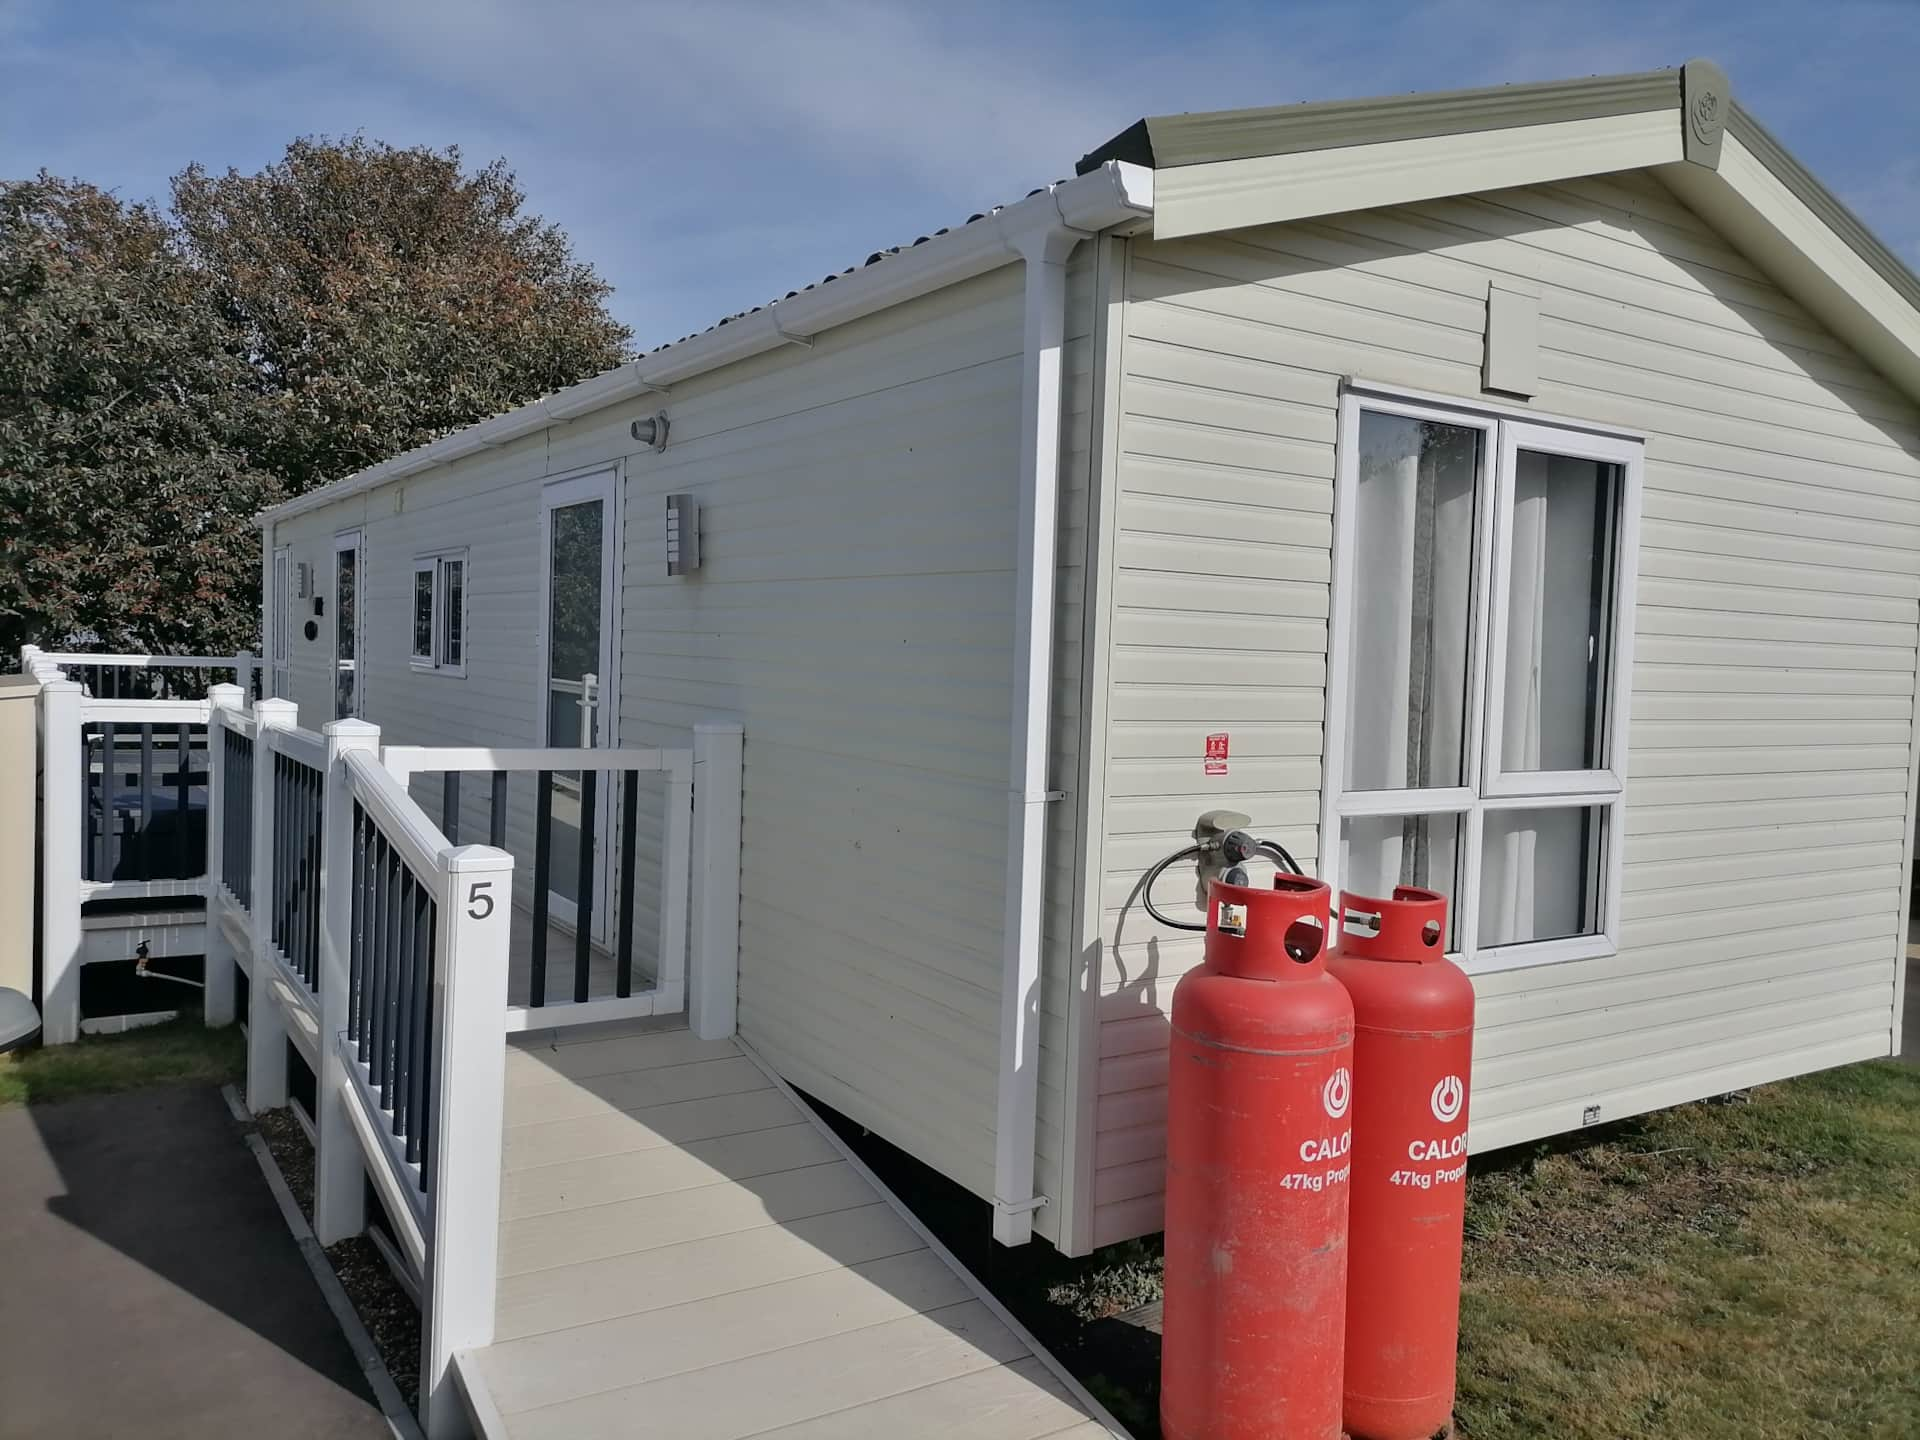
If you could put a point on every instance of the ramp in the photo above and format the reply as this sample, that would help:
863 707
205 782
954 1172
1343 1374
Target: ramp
687 1251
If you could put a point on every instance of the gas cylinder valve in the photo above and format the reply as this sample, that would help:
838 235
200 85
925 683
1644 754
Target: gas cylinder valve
1222 846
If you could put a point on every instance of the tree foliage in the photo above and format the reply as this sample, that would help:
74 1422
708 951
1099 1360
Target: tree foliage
389 296
164 376
129 423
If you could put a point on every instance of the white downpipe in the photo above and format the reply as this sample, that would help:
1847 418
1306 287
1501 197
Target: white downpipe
1044 248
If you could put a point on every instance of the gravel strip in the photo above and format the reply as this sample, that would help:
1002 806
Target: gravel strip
385 1309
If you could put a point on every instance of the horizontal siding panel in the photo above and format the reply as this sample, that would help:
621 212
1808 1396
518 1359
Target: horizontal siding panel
1631 1016
1573 1070
1775 656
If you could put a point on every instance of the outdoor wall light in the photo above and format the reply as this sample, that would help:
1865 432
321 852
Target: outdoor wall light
652 432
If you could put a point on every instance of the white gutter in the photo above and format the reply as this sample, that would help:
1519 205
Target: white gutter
1043 237
1094 201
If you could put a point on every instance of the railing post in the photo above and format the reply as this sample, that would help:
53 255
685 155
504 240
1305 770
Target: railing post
62 792
266 1021
470 1053
339 1188
217 1006
712 988
243 673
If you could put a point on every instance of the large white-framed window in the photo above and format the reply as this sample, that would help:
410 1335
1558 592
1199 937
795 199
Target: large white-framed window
439 612
1478 670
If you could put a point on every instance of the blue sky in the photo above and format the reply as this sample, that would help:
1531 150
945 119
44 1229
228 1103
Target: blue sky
710 154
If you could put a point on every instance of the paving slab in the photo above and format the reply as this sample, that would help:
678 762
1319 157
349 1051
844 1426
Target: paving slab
149 1286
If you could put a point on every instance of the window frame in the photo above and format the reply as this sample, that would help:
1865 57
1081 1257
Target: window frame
434 563
1505 431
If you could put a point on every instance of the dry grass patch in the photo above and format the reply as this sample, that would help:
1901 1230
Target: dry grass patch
1738 1270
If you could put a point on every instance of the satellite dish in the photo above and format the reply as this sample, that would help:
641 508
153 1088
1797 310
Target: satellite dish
19 1021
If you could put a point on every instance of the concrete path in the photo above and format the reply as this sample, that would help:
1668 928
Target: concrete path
149 1287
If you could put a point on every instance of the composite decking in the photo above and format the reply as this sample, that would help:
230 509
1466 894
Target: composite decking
686 1251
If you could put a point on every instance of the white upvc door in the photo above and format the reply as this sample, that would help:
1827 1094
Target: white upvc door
579 546
349 625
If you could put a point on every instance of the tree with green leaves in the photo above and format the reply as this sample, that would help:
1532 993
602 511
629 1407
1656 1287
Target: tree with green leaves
165 376
391 297
130 422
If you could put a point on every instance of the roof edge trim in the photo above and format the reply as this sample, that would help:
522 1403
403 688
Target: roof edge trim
1114 194
1743 126
1170 141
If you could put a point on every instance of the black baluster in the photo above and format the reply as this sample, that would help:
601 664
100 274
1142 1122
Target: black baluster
542 866
357 900
143 847
629 809
400 1072
583 908
183 748
109 821
390 972
418 1050
450 806
497 811
428 1078
377 954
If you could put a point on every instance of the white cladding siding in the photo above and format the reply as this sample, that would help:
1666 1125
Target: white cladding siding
854 609
488 505
1774 675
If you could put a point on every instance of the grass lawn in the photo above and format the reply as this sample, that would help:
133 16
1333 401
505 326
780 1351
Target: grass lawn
182 1052
1742 1268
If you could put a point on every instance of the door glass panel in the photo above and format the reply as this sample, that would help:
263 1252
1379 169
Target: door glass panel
1540 874
1414 543
1559 612
346 608
1382 851
574 609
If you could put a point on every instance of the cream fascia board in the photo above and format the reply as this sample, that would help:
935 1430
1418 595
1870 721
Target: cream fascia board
1757 210
1273 189
1115 194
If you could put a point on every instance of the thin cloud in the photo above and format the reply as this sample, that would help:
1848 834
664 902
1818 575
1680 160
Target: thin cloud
707 157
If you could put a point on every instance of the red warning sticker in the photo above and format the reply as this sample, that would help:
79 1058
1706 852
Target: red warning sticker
1217 754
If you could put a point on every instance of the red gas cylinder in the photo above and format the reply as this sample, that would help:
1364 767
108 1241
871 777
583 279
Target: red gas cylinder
1258 1094
1412 1055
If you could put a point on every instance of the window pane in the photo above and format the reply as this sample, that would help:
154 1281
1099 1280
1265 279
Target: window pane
1413 588
423 614
1559 612
1379 852
451 639
1540 874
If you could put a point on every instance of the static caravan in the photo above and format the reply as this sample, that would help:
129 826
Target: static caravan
1511 491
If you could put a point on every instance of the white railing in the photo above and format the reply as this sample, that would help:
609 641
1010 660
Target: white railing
381 949
606 984
149 677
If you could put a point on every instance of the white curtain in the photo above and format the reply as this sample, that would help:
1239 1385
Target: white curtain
1533 871
1412 586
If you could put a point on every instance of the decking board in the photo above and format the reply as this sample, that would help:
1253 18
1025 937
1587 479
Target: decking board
685 1251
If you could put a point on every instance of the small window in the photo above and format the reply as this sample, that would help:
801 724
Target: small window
439 612
1477 702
